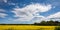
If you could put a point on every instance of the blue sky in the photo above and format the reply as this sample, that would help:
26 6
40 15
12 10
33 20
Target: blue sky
29 11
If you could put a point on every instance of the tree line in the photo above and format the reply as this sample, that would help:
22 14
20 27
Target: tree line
48 23
42 23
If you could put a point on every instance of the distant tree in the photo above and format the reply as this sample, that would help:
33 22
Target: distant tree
43 22
51 23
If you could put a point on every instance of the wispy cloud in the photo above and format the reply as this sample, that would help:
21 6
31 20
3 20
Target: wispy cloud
55 17
10 3
1 10
5 1
2 15
31 11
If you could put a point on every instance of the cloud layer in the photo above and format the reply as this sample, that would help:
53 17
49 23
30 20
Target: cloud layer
31 12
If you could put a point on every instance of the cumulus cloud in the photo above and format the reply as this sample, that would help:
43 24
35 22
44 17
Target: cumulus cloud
30 12
55 17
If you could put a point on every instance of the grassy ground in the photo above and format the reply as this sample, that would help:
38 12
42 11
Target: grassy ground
26 27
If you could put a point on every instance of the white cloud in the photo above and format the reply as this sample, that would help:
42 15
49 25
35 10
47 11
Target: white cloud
5 1
31 11
3 15
38 19
1 10
10 3
56 15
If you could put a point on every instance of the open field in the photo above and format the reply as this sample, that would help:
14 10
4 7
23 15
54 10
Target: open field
26 27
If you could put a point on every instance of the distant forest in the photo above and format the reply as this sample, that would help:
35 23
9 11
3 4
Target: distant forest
42 23
49 23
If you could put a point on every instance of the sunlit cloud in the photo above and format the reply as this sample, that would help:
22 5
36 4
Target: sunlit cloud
31 11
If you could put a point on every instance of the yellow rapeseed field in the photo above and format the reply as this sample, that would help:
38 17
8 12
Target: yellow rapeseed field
26 27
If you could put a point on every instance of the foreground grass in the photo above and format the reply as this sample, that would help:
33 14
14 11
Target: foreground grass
57 28
26 27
